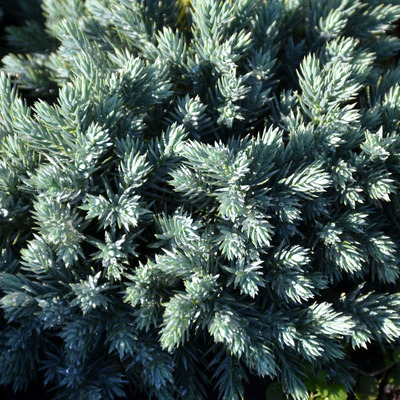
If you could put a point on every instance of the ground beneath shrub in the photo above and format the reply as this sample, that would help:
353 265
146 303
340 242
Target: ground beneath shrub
389 392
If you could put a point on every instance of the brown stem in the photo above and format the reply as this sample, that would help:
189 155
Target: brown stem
378 372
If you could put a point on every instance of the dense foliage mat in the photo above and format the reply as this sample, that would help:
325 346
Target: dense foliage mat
193 193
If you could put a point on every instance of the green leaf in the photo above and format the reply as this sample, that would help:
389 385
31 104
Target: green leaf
393 376
396 355
321 378
337 392
367 388
275 392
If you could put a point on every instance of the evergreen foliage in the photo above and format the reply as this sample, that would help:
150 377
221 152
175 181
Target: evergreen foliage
197 192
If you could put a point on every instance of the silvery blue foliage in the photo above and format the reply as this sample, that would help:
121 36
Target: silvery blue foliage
197 192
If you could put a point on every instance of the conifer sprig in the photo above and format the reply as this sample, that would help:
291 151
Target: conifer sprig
197 192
